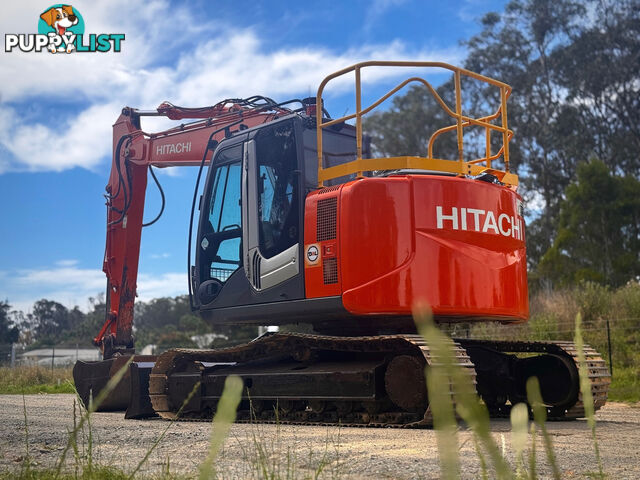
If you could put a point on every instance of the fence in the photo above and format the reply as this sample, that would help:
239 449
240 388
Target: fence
13 355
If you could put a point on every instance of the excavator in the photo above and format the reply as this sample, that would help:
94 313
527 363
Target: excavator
299 222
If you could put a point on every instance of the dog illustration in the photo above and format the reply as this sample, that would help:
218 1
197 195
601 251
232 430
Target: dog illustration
60 18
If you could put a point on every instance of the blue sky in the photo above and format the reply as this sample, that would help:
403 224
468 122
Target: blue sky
56 113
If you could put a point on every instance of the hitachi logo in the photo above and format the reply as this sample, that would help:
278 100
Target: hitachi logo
475 219
173 148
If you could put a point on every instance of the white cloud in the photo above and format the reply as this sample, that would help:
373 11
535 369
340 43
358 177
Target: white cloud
69 277
201 74
158 256
170 171
82 141
64 283
66 263
71 285
85 75
164 285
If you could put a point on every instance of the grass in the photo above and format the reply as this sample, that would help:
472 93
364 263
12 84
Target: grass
270 455
31 380
264 458
224 417
450 387
625 385
98 473
452 396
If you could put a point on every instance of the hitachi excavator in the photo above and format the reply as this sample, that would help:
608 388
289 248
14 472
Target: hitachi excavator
298 222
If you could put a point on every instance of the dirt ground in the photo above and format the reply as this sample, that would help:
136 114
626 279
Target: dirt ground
256 451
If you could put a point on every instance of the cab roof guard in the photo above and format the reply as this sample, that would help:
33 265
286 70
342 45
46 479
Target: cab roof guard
459 166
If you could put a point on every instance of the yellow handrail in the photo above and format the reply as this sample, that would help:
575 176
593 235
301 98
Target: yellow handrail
461 167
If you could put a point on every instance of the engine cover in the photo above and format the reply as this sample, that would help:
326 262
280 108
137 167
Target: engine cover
385 243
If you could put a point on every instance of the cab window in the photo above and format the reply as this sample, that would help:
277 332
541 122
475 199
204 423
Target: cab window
220 243
277 188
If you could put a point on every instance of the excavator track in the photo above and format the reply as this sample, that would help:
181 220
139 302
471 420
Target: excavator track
568 406
599 377
372 381
375 381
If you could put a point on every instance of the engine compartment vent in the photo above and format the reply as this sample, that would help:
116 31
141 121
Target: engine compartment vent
326 190
330 270
326 219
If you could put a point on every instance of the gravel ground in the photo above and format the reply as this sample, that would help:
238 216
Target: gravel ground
357 453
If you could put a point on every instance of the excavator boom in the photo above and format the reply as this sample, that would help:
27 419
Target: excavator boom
134 152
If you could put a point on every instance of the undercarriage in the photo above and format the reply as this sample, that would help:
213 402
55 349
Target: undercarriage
359 381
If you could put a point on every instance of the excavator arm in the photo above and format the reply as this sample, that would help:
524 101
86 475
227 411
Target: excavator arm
134 152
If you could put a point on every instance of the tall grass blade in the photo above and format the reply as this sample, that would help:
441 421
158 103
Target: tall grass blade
519 424
483 461
468 405
164 432
540 417
476 415
532 454
224 417
585 390
27 457
440 395
76 452
93 406
89 438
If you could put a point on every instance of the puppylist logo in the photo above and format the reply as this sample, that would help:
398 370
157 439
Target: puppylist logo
61 29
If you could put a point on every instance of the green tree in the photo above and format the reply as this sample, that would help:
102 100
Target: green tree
51 321
169 323
171 337
519 47
194 324
233 335
405 128
160 312
92 321
9 332
600 70
575 72
598 230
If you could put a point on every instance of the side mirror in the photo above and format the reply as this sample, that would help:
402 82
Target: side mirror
209 290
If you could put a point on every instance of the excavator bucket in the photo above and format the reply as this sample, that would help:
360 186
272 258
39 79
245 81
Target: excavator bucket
91 378
139 401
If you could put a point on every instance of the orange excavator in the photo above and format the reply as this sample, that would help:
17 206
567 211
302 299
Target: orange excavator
298 222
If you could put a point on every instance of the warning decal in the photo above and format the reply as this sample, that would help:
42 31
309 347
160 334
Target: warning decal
312 254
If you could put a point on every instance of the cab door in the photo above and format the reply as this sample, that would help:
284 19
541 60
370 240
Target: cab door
272 213
218 255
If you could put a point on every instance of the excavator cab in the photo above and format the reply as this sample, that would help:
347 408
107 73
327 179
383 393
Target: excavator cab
251 212
250 239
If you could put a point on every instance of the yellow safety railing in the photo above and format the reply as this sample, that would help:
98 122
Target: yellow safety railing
459 166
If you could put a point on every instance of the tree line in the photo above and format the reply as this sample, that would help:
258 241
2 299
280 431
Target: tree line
575 109
164 322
